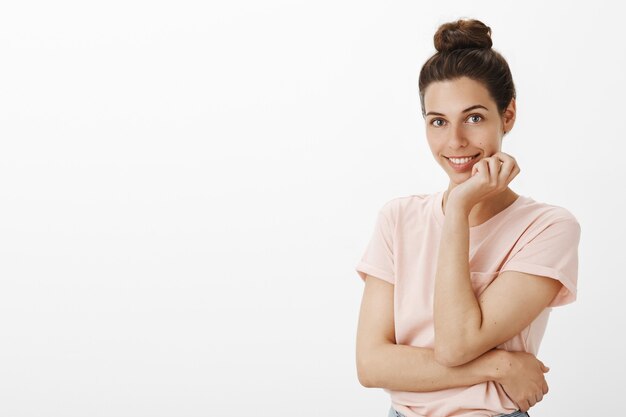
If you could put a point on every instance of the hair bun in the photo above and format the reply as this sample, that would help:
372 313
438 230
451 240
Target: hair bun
464 33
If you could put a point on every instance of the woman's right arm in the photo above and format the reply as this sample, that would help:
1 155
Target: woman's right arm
381 363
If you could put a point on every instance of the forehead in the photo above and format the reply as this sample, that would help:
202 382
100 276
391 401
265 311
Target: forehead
452 96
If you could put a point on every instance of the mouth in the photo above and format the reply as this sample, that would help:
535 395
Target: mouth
462 164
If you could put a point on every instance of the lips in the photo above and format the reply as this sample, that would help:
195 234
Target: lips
464 166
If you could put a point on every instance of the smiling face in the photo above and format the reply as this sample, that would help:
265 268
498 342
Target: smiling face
462 121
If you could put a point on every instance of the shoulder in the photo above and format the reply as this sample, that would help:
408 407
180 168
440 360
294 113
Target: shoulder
401 206
541 215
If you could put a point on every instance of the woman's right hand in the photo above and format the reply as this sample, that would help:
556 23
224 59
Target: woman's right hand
521 375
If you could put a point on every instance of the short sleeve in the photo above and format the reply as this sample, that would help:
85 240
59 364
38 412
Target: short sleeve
378 260
552 253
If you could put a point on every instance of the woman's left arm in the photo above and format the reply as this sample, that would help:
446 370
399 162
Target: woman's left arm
466 327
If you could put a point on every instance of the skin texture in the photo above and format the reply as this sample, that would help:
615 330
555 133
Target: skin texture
381 363
466 327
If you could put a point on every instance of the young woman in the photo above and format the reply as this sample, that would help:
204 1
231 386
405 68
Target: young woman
459 284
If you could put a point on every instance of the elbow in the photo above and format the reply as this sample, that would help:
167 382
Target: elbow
364 379
363 370
366 367
444 358
450 355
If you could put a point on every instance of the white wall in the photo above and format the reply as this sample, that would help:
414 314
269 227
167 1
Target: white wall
186 187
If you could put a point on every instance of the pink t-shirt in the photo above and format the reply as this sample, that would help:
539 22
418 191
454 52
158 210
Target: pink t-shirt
527 236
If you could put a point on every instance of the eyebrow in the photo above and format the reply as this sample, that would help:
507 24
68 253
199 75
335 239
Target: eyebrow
476 106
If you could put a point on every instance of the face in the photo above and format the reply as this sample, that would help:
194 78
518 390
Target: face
462 121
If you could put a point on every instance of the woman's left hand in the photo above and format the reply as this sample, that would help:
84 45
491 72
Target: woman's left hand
490 176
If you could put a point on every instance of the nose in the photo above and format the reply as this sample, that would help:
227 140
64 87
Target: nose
456 137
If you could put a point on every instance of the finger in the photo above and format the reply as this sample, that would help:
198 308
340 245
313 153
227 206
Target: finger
508 159
514 171
545 388
480 167
507 173
494 171
475 169
503 155
524 406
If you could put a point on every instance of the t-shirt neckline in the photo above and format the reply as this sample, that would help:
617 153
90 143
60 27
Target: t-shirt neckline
440 216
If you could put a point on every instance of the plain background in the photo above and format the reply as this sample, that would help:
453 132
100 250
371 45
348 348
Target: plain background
186 187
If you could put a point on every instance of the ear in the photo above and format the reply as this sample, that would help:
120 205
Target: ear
508 118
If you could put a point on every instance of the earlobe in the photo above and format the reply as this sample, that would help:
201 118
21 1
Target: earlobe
509 117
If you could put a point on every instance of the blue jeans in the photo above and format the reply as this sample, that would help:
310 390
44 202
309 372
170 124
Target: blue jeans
394 413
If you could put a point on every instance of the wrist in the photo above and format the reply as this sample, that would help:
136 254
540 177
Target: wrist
499 364
457 207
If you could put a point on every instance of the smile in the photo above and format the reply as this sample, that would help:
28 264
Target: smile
461 161
462 164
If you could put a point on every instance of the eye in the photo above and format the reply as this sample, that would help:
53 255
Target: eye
476 115
432 122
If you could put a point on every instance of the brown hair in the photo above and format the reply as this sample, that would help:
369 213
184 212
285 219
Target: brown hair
464 49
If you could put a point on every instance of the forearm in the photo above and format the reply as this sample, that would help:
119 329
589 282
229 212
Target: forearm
457 314
410 368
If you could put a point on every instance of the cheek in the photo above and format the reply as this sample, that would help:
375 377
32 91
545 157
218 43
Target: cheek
432 145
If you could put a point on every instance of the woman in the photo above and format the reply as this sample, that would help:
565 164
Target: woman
459 284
